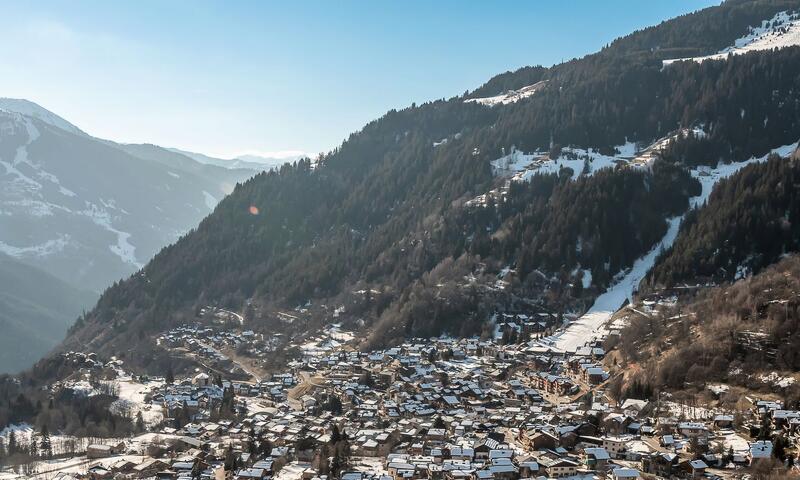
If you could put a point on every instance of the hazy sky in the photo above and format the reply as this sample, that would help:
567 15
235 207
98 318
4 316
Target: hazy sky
226 78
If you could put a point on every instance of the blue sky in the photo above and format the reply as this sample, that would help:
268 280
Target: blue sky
227 78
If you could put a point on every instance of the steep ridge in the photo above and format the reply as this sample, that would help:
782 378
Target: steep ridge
393 211
35 311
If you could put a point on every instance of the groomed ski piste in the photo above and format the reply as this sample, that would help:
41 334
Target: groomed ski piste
593 325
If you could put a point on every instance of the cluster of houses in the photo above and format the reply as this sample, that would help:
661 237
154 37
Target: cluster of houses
438 408
207 344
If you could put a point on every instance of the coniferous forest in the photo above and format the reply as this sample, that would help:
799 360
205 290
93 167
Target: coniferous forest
389 224
389 210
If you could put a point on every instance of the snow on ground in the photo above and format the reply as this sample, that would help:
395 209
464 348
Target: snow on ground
521 167
708 177
733 440
21 428
81 388
680 410
224 312
336 333
718 388
372 465
510 96
638 446
587 278
781 31
25 107
123 248
293 471
777 380
132 396
593 324
41 250
22 182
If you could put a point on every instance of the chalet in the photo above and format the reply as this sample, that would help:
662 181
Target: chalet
694 430
760 450
625 474
694 468
596 458
723 421
559 467
615 446
660 464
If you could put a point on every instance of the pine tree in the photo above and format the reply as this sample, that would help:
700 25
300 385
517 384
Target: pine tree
33 447
12 443
45 445
335 435
140 426
230 459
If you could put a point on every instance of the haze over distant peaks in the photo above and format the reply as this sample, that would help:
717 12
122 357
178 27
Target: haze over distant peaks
249 161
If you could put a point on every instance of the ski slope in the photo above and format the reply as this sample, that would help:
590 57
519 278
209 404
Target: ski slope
593 325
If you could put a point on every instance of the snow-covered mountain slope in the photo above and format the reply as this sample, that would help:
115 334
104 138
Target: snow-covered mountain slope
594 324
90 211
781 31
517 166
30 109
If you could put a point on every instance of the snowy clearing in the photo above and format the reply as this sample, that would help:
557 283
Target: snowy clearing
781 31
709 177
510 96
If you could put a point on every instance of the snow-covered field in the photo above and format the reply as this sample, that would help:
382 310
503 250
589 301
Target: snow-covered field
372 465
510 96
679 410
132 396
781 31
733 440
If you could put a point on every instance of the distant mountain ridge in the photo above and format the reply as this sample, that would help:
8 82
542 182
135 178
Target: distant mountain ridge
252 162
30 109
92 211
89 211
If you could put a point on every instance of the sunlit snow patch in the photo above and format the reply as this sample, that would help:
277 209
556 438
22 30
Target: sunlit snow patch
510 96
781 31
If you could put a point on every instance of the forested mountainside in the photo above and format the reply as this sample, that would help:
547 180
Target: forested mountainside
35 311
86 211
743 334
419 223
752 219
